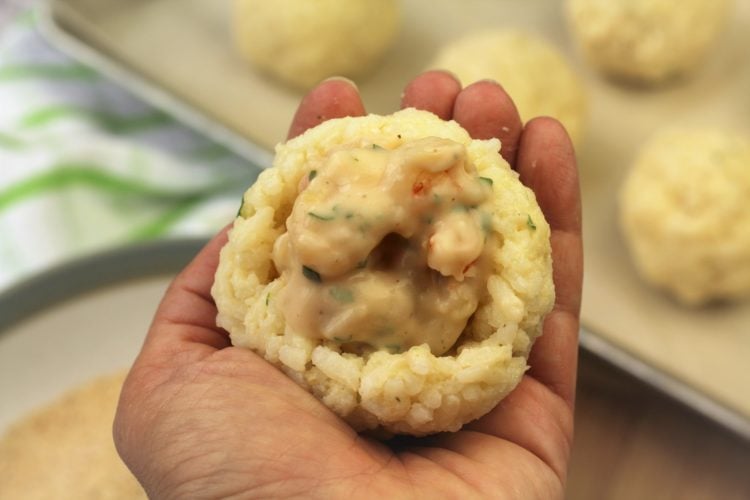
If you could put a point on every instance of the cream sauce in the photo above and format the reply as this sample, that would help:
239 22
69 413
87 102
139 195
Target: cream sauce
384 249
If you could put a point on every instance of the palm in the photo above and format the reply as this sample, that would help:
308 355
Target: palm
199 418
311 451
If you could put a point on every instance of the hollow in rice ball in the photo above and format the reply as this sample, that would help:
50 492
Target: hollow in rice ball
392 266
302 42
685 212
534 73
646 41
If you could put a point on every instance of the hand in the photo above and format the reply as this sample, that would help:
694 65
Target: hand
199 418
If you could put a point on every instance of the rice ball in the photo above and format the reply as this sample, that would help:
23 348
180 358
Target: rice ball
646 41
300 42
685 212
392 266
534 73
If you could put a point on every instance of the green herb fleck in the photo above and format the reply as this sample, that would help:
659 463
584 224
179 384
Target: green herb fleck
312 175
375 146
311 274
268 296
341 340
463 208
486 222
343 295
394 348
384 330
320 217
530 222
486 180
242 204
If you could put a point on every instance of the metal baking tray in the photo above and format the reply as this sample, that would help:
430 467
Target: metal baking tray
178 55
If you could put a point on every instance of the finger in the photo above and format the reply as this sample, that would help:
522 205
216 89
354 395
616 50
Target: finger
433 91
538 414
187 313
546 164
333 98
485 110
535 420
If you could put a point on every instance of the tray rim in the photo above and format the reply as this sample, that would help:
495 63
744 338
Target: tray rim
93 271
618 356
143 88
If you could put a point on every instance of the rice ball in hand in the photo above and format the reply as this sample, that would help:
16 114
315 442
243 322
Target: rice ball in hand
535 74
685 212
646 41
301 42
392 266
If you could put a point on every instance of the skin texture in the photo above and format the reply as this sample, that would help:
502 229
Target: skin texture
199 418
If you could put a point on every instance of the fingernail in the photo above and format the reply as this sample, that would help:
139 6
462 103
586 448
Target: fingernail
446 71
340 79
489 80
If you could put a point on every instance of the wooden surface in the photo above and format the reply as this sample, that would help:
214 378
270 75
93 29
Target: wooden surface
635 443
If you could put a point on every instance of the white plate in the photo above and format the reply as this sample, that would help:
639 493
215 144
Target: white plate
96 330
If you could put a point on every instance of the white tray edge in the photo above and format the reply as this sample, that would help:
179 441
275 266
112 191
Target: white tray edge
56 34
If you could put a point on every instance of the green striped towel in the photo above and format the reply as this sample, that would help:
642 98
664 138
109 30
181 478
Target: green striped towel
85 166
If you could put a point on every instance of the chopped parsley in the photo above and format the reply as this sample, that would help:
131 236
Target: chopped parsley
268 296
311 274
463 208
312 175
320 217
486 180
242 204
394 348
486 220
530 222
343 295
375 146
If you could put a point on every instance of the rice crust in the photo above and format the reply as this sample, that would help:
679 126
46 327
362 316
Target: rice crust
413 392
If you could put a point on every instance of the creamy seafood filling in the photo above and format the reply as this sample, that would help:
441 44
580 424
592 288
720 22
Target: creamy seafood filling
385 249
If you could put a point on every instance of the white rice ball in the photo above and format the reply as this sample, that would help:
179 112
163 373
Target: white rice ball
534 73
302 42
646 41
413 391
685 211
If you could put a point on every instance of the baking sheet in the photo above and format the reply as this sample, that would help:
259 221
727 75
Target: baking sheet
178 54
